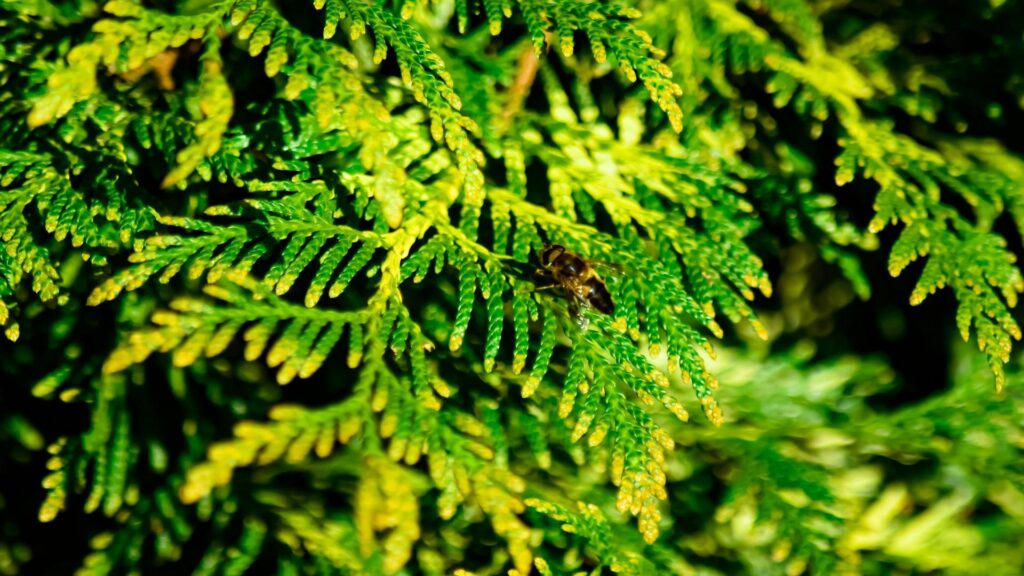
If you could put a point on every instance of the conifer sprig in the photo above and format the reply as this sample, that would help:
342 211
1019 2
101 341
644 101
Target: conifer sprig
204 201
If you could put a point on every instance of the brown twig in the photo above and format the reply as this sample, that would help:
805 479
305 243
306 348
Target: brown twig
526 72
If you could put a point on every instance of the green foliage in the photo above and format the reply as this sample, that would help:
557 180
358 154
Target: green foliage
203 201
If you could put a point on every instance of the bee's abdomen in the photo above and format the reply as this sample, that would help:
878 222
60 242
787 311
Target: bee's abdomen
599 297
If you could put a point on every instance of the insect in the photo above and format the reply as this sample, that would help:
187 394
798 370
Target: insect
577 276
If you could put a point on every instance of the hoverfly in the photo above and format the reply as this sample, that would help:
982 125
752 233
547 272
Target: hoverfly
583 287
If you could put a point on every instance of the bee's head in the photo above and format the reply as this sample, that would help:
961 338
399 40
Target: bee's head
549 253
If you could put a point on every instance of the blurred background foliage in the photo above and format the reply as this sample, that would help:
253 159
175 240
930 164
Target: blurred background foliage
202 201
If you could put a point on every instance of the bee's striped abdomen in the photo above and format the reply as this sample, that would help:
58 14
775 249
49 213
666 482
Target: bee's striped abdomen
598 296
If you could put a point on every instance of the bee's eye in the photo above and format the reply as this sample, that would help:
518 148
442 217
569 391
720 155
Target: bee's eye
550 254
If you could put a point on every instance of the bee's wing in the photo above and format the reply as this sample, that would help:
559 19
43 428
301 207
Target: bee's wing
609 269
578 308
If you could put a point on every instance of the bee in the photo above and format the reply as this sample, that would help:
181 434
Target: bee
583 287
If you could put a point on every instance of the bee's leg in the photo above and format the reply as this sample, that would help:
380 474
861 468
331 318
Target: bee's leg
543 278
538 289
